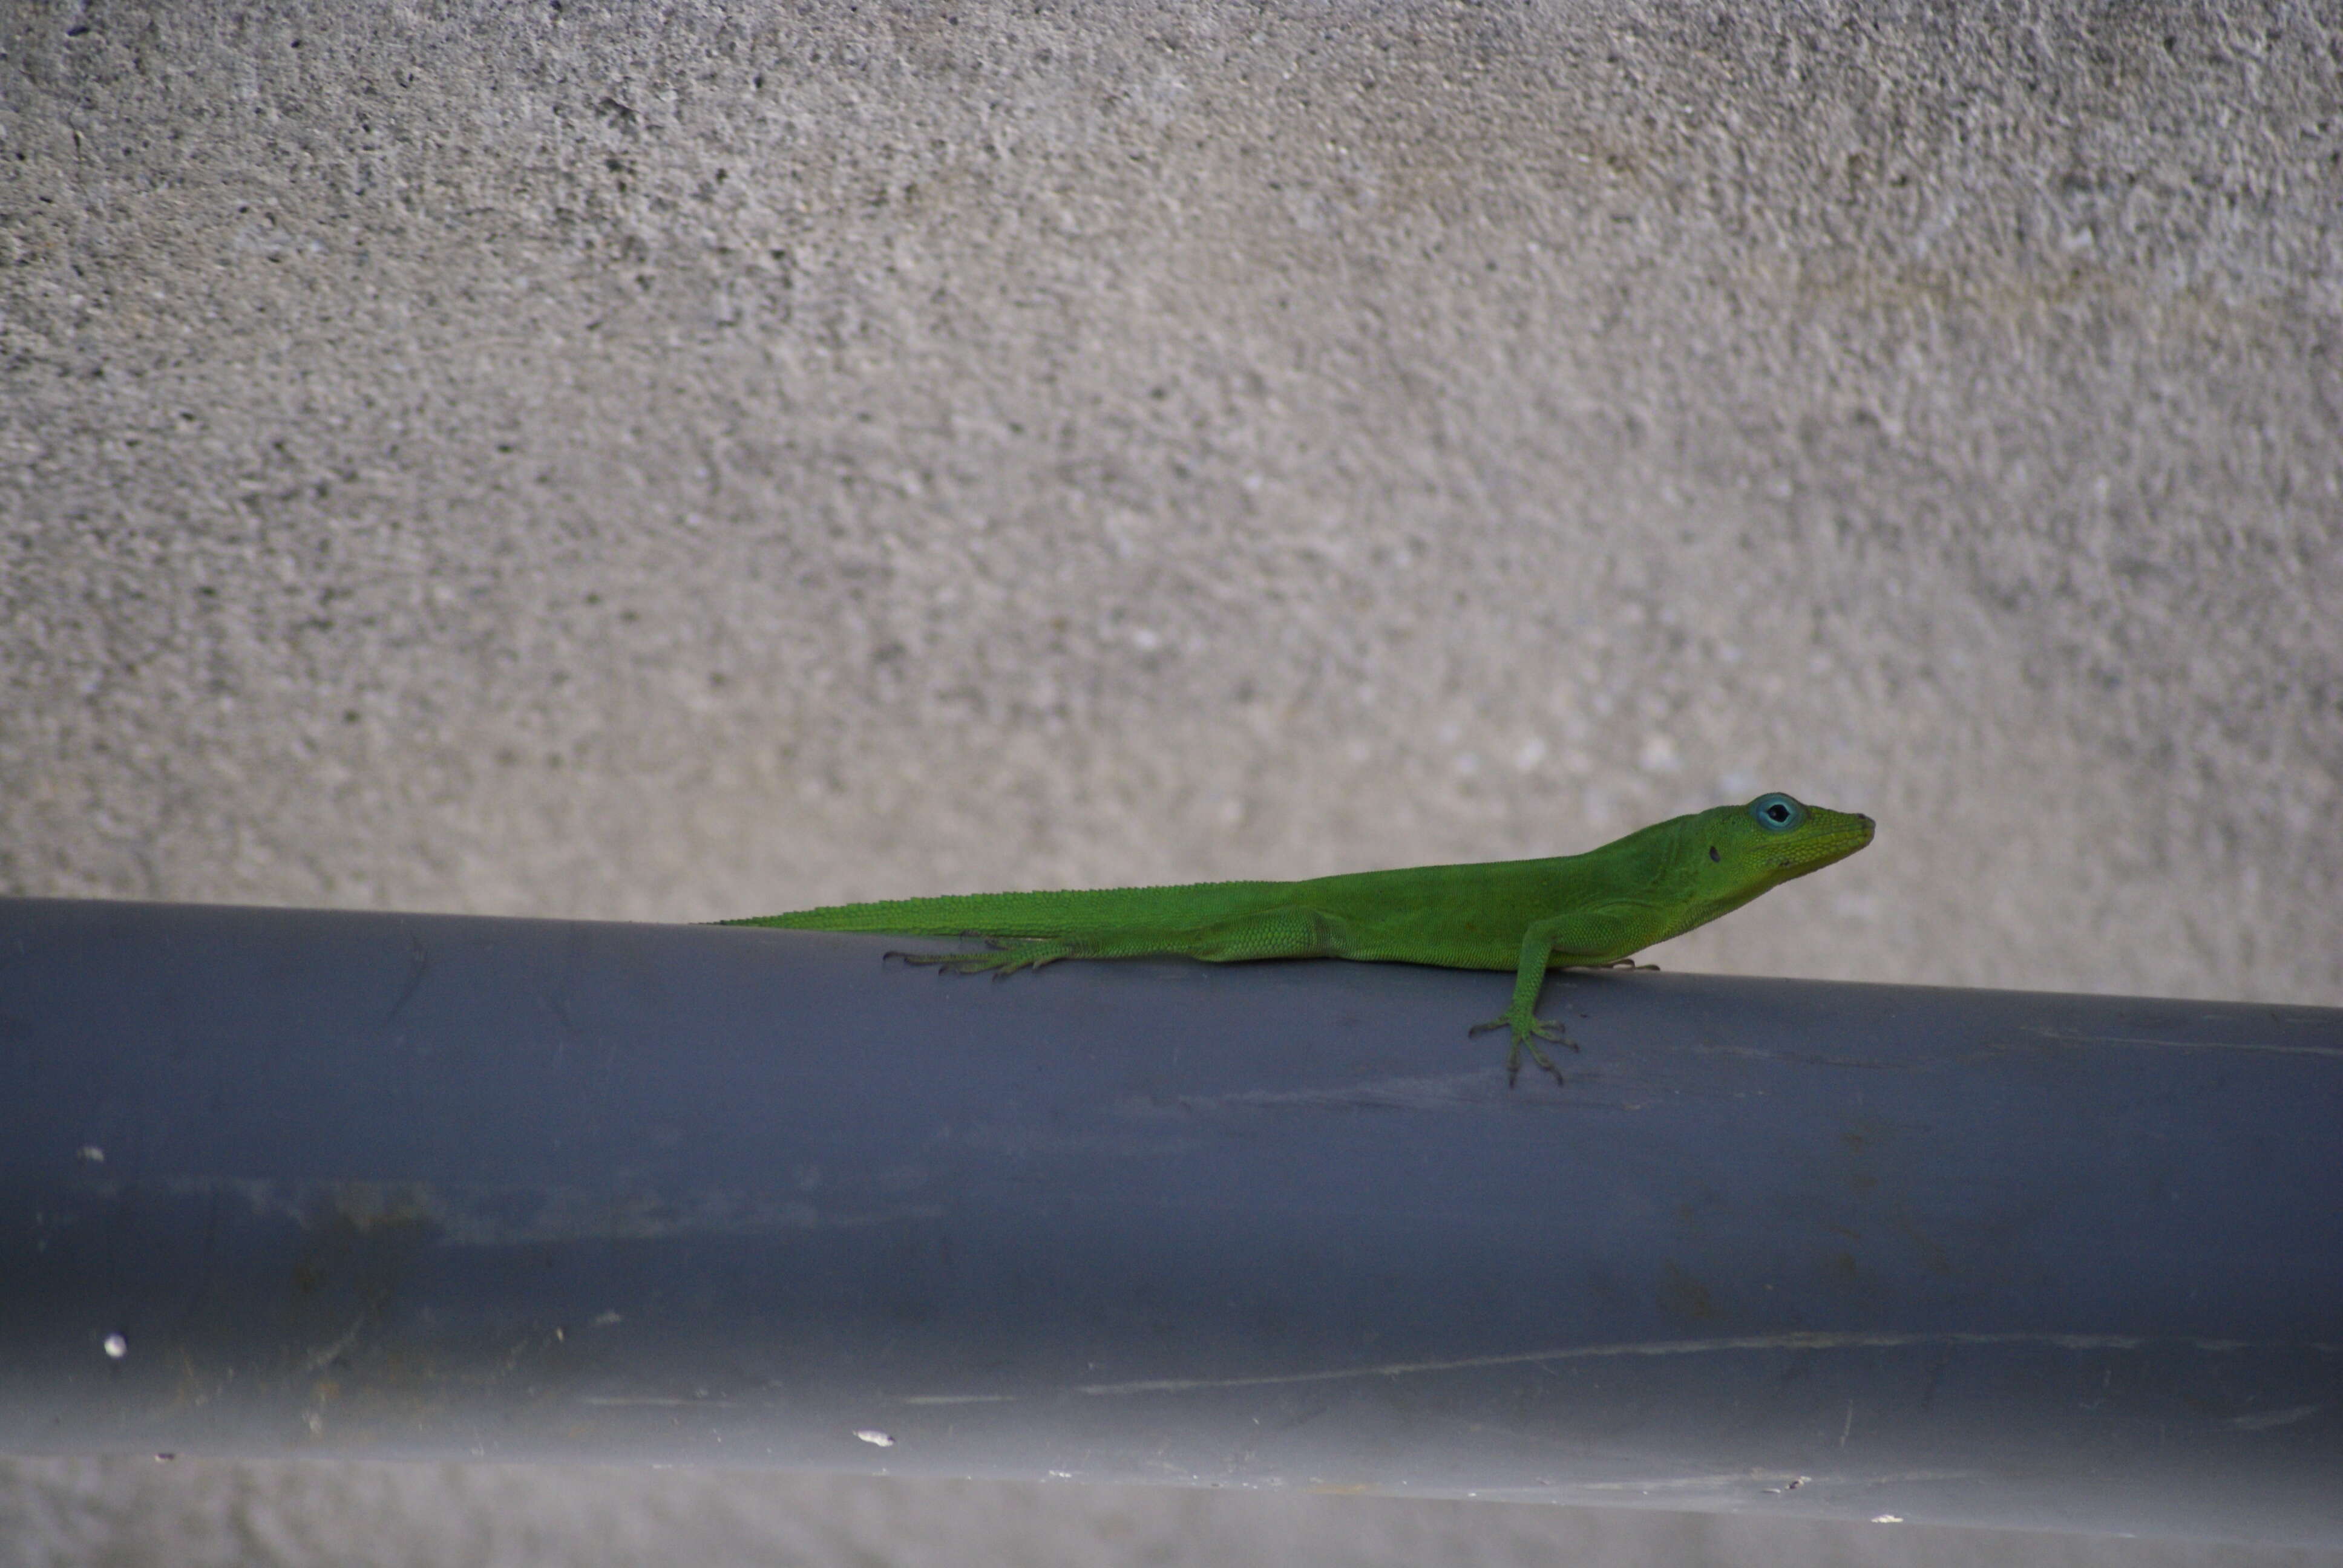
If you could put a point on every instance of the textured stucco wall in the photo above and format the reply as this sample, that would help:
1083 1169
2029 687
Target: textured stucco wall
679 461
686 461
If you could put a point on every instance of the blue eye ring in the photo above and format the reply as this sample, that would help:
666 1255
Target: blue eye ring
1776 813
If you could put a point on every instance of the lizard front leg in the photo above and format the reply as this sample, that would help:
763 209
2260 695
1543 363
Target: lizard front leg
1520 1017
1579 939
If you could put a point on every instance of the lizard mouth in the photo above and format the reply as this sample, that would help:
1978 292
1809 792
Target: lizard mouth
1836 841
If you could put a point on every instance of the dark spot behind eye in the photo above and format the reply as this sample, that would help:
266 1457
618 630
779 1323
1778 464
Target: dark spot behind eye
1713 855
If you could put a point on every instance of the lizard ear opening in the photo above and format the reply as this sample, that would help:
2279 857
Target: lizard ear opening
1776 813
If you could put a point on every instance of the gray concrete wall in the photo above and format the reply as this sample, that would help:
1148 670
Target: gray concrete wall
680 462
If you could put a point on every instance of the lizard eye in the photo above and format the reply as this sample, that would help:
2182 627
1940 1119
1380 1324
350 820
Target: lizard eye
1776 813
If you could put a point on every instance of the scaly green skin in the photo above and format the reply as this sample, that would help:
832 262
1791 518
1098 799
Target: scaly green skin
1576 911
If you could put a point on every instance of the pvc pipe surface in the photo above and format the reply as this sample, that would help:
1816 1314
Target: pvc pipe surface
293 1182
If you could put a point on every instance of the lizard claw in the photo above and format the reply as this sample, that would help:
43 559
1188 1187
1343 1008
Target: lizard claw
1536 1054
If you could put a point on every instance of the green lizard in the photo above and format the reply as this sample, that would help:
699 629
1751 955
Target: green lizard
1576 911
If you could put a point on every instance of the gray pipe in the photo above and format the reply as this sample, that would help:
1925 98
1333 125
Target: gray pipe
291 1183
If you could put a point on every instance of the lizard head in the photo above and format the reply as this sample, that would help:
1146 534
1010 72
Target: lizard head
1774 838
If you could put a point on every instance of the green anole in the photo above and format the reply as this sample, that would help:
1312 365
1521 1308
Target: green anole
1576 911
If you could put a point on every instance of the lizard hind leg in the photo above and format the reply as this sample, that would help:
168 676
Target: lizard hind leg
1285 932
1004 956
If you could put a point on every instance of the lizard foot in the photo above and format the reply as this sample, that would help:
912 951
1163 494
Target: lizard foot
1005 959
1528 1028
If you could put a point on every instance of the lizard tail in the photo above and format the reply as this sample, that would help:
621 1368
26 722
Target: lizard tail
1051 914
